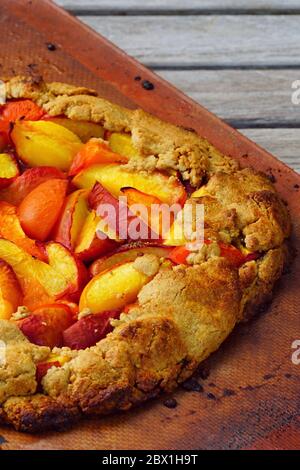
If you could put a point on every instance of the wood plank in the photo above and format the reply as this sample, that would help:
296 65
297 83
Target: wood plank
242 97
283 143
175 5
204 40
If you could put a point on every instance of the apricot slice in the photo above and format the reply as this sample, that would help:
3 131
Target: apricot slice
89 246
9 169
122 144
125 255
17 110
113 289
72 219
10 292
27 182
43 143
114 177
40 209
94 152
85 130
87 331
10 228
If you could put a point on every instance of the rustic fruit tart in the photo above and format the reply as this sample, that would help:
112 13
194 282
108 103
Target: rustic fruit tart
92 320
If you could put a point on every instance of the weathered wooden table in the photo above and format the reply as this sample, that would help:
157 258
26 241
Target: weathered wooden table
239 59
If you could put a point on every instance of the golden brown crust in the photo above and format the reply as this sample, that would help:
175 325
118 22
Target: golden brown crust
259 278
161 145
17 375
245 205
184 314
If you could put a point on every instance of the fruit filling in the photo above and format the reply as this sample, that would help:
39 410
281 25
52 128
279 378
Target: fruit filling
79 236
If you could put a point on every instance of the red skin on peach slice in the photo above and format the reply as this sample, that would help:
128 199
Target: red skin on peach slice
5 129
42 369
46 324
74 291
89 245
71 219
125 219
27 182
97 248
40 209
87 331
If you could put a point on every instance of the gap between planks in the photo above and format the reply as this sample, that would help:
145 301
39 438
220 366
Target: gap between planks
167 7
256 98
204 41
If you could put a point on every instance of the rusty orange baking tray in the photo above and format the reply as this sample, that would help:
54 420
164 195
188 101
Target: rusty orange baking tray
262 408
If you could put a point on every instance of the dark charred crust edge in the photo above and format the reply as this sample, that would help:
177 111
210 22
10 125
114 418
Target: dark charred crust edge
44 415
39 414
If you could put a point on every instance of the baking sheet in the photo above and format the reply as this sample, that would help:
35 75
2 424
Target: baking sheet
254 364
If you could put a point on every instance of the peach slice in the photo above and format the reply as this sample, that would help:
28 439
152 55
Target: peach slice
43 143
72 219
40 209
126 254
10 228
176 236
87 331
27 182
85 130
93 152
115 177
69 267
89 246
122 144
8 169
32 273
10 292
46 324
159 220
113 289
119 222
